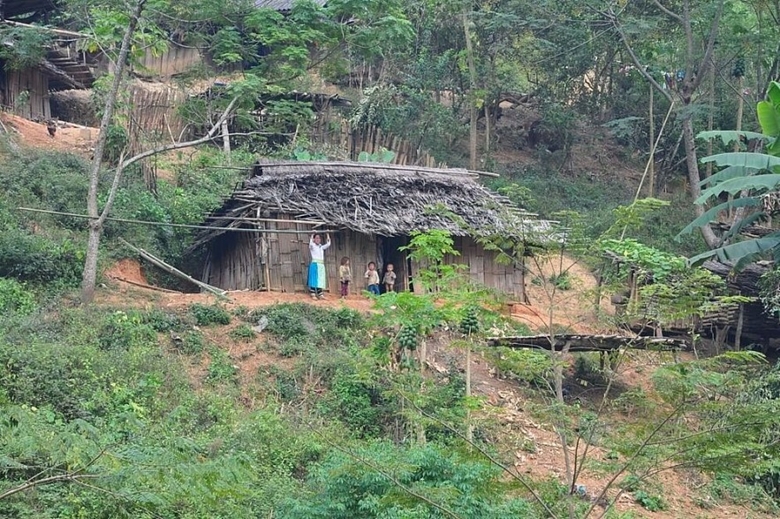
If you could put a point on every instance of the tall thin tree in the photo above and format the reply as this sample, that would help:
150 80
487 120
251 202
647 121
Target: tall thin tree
98 218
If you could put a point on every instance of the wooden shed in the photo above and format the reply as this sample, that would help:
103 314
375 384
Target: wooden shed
373 208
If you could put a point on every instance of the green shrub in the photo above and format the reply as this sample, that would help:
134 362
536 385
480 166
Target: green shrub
243 332
631 483
344 489
162 322
38 259
561 281
728 488
650 502
348 318
286 321
356 403
191 342
14 297
221 368
125 330
529 366
207 315
296 346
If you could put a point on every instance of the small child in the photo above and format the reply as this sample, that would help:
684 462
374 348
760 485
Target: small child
345 276
372 278
389 280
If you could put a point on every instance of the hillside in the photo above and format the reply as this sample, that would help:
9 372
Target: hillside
517 174
509 407
302 367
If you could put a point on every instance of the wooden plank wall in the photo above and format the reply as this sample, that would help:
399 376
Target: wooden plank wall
153 116
289 257
337 132
36 85
482 267
175 60
233 263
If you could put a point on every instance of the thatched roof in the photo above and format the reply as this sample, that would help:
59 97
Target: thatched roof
383 199
28 10
282 5
579 342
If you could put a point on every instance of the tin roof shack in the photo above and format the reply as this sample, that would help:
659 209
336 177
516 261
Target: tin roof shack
373 209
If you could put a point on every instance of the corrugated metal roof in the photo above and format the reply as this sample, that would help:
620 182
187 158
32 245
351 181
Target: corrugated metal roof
282 5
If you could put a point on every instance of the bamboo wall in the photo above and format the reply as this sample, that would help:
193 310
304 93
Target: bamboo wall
239 261
371 139
36 84
483 268
232 263
153 119
153 116
175 60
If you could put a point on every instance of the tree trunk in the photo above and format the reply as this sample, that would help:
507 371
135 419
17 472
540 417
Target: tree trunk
487 130
740 108
472 91
710 117
692 160
740 326
91 261
651 185
226 139
96 226
469 426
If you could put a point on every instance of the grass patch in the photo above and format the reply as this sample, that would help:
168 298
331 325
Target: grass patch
208 315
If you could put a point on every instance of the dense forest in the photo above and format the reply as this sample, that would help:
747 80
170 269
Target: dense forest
628 152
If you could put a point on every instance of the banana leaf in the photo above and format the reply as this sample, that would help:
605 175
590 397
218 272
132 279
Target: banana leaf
712 214
740 253
729 136
741 224
747 159
727 173
732 186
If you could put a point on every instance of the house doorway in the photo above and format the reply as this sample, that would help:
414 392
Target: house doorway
388 253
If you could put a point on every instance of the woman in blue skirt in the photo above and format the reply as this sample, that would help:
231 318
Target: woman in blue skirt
317 276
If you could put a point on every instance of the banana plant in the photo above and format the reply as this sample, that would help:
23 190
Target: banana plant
749 178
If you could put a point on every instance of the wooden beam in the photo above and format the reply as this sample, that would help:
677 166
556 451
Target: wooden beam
176 272
61 32
181 225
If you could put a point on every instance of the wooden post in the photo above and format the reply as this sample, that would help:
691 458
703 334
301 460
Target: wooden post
651 172
469 426
226 139
740 323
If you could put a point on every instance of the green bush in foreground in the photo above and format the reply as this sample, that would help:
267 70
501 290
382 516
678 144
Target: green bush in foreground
14 297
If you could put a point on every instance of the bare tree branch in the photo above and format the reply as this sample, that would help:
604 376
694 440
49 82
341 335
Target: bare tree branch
709 49
668 12
70 476
637 64
179 145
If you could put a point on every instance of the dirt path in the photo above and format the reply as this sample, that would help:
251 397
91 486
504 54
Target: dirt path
69 138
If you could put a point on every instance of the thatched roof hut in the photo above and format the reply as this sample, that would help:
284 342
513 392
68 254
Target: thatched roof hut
372 209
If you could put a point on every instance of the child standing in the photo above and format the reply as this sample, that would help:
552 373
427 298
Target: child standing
317 276
372 278
345 276
389 280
